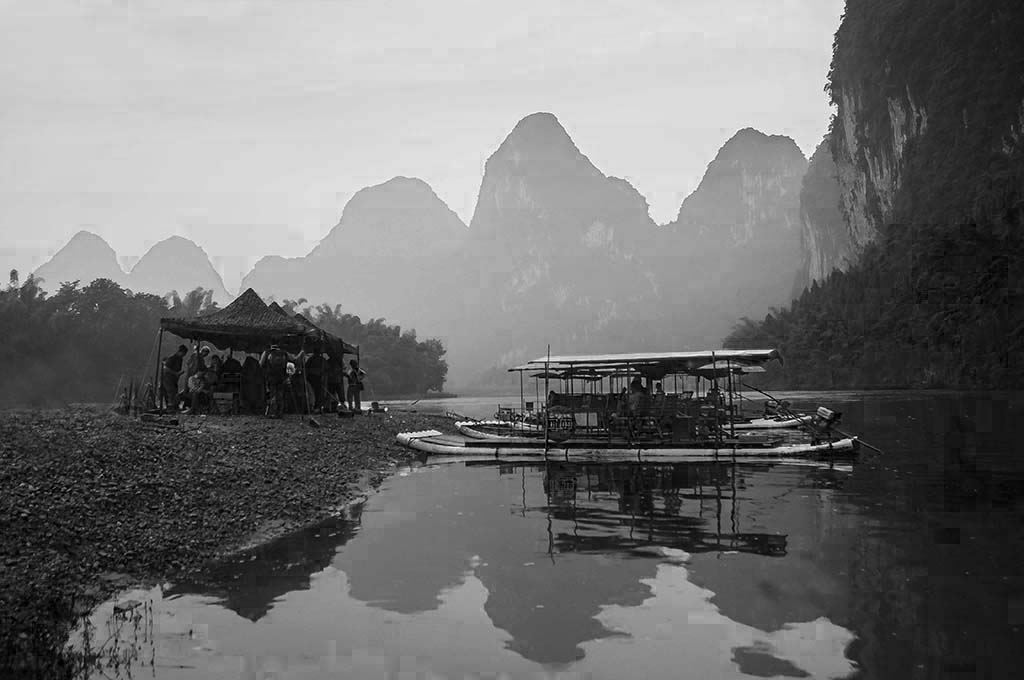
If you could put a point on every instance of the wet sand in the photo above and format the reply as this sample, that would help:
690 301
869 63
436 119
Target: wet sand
91 501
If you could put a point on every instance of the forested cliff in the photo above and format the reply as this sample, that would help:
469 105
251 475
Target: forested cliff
928 144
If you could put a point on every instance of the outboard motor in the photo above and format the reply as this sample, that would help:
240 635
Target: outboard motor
825 418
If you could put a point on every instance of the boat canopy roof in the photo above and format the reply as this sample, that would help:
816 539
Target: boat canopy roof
654 363
719 368
589 376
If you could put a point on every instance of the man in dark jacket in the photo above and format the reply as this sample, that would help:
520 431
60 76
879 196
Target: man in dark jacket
355 386
169 374
336 382
316 372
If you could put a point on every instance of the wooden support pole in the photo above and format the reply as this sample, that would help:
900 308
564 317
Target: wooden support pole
732 415
156 370
522 397
547 409
718 422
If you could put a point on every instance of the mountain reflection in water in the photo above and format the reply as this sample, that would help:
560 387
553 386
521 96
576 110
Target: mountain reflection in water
559 551
908 567
248 583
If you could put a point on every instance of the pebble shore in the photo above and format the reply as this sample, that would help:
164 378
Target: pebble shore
91 501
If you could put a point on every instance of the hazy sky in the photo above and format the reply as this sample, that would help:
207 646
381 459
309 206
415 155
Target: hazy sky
246 125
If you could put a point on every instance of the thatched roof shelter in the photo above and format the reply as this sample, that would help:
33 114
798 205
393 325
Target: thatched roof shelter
250 325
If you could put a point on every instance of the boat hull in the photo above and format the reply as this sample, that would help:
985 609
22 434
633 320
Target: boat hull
476 430
435 443
479 429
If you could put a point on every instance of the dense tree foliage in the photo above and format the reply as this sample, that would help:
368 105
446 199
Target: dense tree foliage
87 343
396 362
938 299
945 309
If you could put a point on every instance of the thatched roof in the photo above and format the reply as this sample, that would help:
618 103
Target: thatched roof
330 343
250 325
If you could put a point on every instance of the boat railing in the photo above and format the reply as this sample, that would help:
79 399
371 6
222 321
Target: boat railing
676 416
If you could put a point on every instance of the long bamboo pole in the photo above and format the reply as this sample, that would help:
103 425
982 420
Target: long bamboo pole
718 416
156 369
732 415
547 410
522 397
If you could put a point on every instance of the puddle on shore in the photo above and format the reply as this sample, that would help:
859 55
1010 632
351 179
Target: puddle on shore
905 566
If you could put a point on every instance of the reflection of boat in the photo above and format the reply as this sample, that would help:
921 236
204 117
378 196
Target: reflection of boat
609 527
630 509
592 418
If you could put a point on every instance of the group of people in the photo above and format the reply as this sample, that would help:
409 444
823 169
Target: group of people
274 383
325 377
638 397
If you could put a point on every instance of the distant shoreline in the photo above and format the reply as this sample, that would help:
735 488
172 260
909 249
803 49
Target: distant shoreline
415 397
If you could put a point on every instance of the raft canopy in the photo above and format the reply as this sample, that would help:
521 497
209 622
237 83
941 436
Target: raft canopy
656 363
250 325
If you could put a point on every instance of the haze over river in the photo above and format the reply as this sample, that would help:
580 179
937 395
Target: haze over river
907 565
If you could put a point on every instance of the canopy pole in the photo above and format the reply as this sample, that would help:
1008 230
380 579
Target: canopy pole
572 402
629 411
522 397
732 414
547 409
718 416
156 369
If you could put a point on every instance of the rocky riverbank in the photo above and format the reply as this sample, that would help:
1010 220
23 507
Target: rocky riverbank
91 500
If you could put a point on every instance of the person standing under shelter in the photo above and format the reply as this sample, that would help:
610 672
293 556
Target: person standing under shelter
355 386
231 365
274 363
170 372
637 396
316 373
253 387
336 381
197 362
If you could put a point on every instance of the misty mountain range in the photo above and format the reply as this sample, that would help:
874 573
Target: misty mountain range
175 264
556 252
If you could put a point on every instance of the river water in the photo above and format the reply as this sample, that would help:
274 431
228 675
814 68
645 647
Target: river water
907 565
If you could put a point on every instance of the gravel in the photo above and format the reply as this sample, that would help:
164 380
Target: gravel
91 501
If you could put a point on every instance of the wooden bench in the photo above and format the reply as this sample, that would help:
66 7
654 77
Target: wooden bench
225 403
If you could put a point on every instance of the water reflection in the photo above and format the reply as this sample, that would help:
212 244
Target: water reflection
935 575
908 567
249 583
624 508
583 568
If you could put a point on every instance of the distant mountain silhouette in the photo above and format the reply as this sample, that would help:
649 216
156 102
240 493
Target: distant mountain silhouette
825 237
734 249
556 252
402 217
84 258
393 255
549 254
177 264
384 257
174 264
753 181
